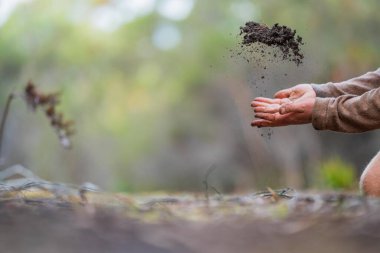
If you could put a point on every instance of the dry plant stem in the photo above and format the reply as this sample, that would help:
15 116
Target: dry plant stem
205 181
3 121
274 196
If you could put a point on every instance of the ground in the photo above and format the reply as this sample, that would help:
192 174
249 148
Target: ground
37 219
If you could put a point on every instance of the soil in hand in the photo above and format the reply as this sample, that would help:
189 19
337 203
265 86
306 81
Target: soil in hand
277 37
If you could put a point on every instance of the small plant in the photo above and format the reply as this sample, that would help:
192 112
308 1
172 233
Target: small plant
46 102
337 174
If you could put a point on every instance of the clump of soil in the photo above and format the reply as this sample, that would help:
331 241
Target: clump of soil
280 37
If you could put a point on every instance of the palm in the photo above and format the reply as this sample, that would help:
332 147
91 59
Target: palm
289 107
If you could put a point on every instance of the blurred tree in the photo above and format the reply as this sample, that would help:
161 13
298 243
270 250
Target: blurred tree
157 98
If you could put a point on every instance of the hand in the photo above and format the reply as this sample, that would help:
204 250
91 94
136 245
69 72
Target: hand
289 107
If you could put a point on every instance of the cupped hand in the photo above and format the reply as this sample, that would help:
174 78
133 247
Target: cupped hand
291 106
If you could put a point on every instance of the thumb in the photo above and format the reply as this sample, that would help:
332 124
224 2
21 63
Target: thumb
291 107
283 93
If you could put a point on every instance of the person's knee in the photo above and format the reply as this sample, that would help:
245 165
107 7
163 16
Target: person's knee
370 179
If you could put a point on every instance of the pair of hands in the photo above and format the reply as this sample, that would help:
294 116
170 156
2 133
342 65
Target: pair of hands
291 106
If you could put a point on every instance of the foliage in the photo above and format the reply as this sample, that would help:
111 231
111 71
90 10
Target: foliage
150 118
337 174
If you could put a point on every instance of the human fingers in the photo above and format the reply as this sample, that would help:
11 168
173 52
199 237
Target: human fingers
266 116
261 123
268 100
258 103
276 119
283 93
273 108
267 123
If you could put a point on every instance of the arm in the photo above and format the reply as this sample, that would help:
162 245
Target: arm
348 113
354 86
299 105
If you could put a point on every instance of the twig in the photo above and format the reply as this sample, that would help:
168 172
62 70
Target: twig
283 193
220 196
168 200
205 180
274 196
215 190
206 184
3 121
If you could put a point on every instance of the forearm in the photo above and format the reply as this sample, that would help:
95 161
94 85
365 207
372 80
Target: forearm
355 86
348 113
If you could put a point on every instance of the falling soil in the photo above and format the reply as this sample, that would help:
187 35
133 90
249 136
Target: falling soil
278 37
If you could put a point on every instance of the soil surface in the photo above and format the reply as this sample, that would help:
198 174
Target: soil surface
38 220
278 37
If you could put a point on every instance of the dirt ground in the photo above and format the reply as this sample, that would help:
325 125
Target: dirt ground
35 220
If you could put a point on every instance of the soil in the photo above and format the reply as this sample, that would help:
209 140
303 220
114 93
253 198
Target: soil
278 37
284 221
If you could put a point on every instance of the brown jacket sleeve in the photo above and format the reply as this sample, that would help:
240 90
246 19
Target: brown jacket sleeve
348 113
354 86
351 106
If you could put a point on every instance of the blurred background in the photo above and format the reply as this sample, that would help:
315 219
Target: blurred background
159 94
